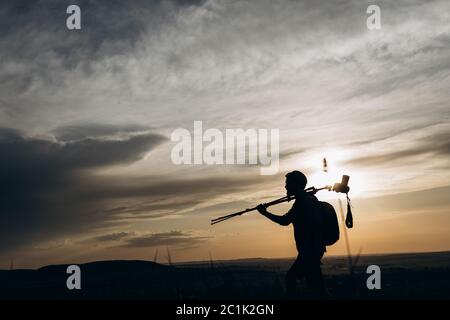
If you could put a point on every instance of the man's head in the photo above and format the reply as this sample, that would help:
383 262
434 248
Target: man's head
295 182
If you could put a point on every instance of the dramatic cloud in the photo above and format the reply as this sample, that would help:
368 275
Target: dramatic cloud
173 238
44 181
82 131
81 109
436 145
112 237
176 239
50 188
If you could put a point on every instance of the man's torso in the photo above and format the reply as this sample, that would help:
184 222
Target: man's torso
307 227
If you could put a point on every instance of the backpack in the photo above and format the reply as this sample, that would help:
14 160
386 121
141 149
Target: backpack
330 223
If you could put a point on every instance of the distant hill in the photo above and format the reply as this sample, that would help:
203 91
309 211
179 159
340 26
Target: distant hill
119 279
110 266
404 276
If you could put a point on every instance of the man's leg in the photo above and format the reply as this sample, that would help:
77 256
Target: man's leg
314 279
291 279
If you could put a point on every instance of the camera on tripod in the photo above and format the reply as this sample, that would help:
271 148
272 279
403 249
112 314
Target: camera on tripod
342 187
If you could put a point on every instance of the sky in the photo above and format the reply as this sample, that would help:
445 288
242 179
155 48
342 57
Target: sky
86 118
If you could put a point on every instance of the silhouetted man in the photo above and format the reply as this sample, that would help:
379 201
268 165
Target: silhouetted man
308 235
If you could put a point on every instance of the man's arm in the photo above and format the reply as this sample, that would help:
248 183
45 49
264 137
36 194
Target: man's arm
281 220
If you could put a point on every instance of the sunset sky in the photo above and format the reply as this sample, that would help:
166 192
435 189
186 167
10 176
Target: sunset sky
86 118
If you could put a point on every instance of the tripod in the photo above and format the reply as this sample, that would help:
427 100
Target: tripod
311 190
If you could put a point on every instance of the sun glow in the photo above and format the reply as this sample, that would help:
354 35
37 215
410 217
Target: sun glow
336 159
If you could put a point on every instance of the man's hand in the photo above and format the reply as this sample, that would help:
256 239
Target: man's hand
261 209
282 220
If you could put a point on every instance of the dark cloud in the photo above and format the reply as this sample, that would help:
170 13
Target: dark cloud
35 39
142 209
173 238
47 155
164 186
43 182
177 239
81 131
112 236
50 188
107 24
152 197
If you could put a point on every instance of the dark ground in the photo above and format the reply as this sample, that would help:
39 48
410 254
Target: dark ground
403 276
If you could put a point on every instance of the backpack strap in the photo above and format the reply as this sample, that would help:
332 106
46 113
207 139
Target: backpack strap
349 217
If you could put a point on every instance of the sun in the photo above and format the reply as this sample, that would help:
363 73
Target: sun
337 166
